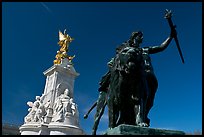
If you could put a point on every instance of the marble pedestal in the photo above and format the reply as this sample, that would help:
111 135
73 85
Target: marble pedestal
54 112
62 129
34 129
134 130
50 129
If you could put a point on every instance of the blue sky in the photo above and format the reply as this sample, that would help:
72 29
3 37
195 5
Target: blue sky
29 46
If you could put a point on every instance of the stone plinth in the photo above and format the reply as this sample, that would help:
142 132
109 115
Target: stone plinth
134 130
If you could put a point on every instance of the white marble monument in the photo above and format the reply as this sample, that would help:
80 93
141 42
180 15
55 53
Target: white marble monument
55 112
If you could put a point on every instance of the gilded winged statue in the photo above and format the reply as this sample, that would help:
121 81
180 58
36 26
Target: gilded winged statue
64 41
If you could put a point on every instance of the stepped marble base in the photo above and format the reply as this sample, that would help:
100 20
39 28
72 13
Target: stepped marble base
51 129
34 129
60 129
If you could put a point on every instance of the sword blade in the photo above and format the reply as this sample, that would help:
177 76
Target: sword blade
179 49
168 17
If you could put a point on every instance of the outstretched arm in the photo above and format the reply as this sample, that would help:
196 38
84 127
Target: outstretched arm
164 45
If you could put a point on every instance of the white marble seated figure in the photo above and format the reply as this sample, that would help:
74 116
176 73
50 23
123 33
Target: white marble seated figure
61 107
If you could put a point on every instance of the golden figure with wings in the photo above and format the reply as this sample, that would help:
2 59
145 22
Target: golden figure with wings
64 41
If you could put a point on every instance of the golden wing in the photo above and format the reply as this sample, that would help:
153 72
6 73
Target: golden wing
61 36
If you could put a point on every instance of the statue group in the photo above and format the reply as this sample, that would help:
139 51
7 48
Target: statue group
63 107
129 86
